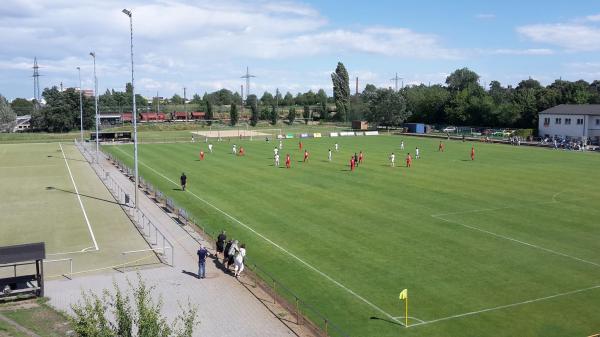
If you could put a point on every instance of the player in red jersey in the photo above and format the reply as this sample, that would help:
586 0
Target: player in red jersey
360 157
288 161
472 152
300 145
201 155
441 147
352 163
241 152
408 160
305 155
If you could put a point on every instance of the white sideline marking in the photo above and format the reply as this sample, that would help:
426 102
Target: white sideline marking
518 241
410 317
79 198
271 242
507 306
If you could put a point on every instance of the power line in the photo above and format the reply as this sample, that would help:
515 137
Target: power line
395 79
247 77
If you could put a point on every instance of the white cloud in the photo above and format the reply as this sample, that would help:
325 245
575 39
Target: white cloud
593 18
529 51
572 37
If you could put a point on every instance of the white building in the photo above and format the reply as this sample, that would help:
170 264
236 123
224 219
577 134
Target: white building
22 123
574 121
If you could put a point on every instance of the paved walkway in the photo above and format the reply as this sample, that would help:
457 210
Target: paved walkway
225 306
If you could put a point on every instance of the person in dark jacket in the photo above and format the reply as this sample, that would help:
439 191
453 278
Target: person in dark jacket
202 254
221 243
183 180
226 251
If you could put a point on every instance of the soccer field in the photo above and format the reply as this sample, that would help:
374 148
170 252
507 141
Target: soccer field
506 245
51 194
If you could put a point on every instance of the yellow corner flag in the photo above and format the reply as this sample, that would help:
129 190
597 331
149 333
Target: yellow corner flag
404 296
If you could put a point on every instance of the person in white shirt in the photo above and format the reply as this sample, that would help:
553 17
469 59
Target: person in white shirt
238 260
275 151
417 153
393 159
402 145
329 155
337 147
281 145
210 147
234 149
276 159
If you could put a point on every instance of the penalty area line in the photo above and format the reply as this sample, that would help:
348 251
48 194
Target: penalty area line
517 241
507 306
87 220
271 242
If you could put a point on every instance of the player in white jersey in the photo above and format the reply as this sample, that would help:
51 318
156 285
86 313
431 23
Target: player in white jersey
276 159
275 151
329 155
402 145
393 159
281 145
337 147
234 149
417 153
210 147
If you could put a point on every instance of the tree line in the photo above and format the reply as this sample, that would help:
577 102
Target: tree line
461 100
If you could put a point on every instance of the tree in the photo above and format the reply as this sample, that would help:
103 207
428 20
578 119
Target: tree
288 99
427 103
387 107
176 99
254 116
267 99
251 100
209 112
61 112
119 314
341 91
233 114
461 79
273 115
291 115
22 106
306 113
7 115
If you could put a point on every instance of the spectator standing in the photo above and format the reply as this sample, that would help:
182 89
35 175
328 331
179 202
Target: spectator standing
202 254
221 243
239 260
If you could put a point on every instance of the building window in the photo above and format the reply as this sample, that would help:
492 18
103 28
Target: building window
597 121
579 121
557 120
546 121
567 121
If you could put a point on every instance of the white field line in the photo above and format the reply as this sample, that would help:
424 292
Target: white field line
507 306
409 317
79 198
270 241
518 241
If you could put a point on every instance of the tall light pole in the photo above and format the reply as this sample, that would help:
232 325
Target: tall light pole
134 117
93 54
80 105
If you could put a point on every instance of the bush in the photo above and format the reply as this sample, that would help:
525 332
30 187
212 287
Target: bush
524 133
129 311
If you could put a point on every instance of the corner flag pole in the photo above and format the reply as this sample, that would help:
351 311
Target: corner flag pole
406 312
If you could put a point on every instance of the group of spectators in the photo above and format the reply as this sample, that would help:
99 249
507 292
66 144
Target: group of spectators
232 251
566 144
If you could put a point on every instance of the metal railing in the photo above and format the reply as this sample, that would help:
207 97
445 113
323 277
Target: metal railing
140 220
304 312
159 250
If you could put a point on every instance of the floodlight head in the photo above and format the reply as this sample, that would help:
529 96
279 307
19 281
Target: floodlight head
127 12
92 54
78 68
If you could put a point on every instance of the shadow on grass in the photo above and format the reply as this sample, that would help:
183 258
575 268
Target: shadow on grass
385 320
50 188
67 158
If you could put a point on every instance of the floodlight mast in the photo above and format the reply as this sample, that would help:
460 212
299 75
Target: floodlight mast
93 55
134 112
80 105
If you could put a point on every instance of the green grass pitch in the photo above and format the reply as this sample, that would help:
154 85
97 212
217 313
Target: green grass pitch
38 202
505 245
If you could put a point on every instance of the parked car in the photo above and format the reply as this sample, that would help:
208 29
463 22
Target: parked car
449 129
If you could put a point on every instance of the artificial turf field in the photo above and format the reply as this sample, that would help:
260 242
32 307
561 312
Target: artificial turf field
39 202
506 245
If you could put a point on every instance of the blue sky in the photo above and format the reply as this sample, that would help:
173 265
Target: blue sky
294 45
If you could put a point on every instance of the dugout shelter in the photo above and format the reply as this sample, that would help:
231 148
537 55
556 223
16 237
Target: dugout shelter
22 269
